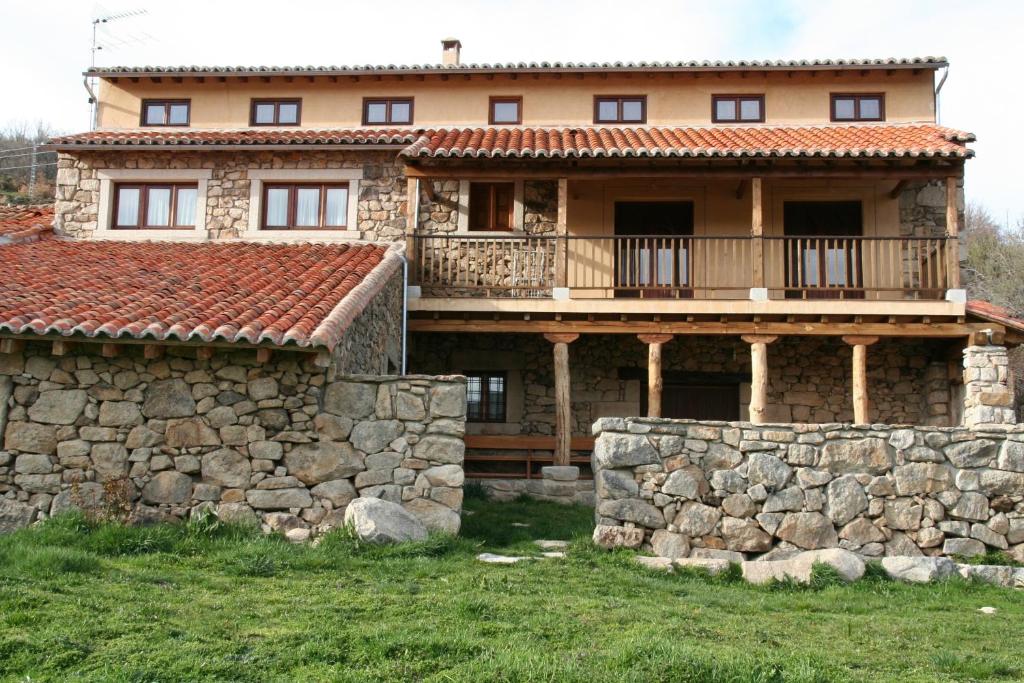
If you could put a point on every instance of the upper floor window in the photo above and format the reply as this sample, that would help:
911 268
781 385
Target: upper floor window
506 110
491 206
485 396
165 112
858 107
387 110
147 206
275 112
737 108
309 206
620 109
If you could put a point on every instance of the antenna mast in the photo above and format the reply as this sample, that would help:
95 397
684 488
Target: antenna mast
104 17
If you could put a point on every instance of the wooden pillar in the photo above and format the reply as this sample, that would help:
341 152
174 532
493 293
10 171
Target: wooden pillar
758 375
561 230
860 346
412 212
952 234
757 231
563 396
654 379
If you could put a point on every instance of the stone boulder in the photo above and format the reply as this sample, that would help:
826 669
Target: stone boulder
168 398
744 535
632 510
372 436
59 406
610 537
434 516
768 470
29 437
846 499
339 491
190 433
615 484
440 448
800 567
15 515
226 467
614 450
668 544
918 569
871 456
314 463
84 495
170 488
448 400
278 499
109 460
377 521
696 519
353 400
808 530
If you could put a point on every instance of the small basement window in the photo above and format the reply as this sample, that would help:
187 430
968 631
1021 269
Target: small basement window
165 112
737 108
486 394
858 107
391 110
306 206
620 109
506 111
491 206
155 206
275 112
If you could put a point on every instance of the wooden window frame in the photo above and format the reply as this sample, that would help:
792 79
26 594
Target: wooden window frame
143 189
277 102
738 99
146 104
293 205
485 403
390 102
504 99
620 99
856 97
492 208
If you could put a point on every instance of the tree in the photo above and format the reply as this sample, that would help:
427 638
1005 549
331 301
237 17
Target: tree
16 141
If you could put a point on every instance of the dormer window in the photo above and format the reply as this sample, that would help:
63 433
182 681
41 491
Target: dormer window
506 111
737 108
165 112
275 112
858 107
395 111
620 109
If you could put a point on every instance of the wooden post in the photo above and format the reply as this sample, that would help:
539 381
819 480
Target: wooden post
153 351
758 375
61 347
654 379
952 234
412 199
757 231
563 396
12 345
860 346
561 230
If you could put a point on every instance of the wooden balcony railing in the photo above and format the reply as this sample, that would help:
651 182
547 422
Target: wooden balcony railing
680 267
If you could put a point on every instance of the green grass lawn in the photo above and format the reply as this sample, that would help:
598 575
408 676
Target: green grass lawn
167 603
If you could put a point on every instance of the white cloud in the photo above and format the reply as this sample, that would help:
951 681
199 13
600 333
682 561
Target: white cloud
46 46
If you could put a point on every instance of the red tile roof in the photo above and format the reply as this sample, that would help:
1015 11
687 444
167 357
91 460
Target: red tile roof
992 313
720 141
191 137
298 294
19 223
873 140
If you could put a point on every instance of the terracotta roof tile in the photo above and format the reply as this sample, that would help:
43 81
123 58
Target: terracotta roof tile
876 140
302 294
993 313
20 223
237 136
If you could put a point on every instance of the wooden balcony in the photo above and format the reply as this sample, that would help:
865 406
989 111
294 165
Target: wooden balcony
683 267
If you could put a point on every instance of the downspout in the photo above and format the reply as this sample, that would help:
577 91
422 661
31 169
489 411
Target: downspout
938 89
405 279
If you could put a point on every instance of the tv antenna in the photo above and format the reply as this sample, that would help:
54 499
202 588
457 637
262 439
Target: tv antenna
108 41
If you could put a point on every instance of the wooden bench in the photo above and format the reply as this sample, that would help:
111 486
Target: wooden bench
530 450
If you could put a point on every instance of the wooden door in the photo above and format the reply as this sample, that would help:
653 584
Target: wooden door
653 255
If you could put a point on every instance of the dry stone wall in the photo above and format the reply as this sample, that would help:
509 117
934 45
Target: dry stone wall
742 491
279 442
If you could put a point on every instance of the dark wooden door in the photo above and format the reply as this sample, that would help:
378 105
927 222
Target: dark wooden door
697 400
823 261
653 254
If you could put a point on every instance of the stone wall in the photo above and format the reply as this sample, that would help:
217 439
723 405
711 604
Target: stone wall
372 344
808 377
276 442
709 489
923 208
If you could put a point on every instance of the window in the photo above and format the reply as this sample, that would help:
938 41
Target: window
165 112
620 109
506 110
485 396
490 206
275 112
737 108
310 206
153 206
858 107
393 110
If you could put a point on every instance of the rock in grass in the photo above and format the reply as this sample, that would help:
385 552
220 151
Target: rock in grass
712 566
918 569
552 545
799 568
378 521
15 515
491 558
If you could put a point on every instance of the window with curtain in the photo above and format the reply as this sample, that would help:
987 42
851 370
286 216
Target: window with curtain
485 396
305 206
152 206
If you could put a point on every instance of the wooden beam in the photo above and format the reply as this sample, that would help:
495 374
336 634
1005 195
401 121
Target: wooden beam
711 327
204 352
263 355
12 345
952 233
860 345
563 397
561 230
758 375
757 231
895 192
655 383
61 347
153 351
110 350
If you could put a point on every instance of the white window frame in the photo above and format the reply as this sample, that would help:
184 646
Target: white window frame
258 177
518 210
110 178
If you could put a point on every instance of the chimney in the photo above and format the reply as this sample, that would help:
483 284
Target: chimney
450 48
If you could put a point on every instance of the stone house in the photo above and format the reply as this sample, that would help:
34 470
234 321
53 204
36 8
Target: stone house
772 241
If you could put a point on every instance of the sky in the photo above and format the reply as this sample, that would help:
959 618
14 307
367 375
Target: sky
46 45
